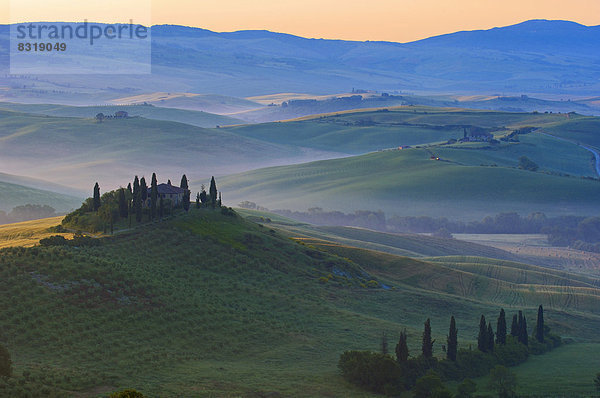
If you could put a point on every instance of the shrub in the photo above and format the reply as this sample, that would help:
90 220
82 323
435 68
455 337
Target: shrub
128 393
5 362
513 353
430 385
372 371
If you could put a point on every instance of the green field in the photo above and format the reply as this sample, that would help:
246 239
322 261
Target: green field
408 182
360 131
195 118
205 304
568 371
75 151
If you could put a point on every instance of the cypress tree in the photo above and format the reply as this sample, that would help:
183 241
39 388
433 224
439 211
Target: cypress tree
219 201
203 196
490 337
96 200
452 340
384 344
514 327
161 208
129 189
402 348
153 196
197 200
143 190
427 346
186 193
213 192
122 203
539 326
524 336
137 200
501 328
482 339
184 182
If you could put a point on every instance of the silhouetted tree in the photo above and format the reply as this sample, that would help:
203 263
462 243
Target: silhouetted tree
137 199
219 201
153 196
482 339
539 326
122 203
161 208
384 344
203 196
524 336
96 200
452 340
514 326
490 337
129 189
402 348
427 346
186 193
197 200
143 189
213 192
501 328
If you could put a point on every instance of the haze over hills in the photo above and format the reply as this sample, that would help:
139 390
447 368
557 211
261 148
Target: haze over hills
545 57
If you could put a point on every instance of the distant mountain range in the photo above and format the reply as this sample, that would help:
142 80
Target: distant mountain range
534 57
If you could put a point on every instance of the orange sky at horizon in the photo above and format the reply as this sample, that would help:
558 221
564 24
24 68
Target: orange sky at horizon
389 20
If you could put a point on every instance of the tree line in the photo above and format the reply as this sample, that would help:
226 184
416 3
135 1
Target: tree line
27 212
136 202
578 232
383 373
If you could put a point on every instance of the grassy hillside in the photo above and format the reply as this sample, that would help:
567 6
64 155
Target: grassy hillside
29 233
408 182
216 305
359 131
195 118
74 151
12 195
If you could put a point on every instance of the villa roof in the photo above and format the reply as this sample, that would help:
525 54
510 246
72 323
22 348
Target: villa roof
167 189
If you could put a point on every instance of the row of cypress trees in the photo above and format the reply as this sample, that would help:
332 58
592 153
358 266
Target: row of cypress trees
485 339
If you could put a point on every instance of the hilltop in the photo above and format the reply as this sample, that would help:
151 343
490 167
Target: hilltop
215 303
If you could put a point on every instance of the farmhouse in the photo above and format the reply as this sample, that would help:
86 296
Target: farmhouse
477 134
167 191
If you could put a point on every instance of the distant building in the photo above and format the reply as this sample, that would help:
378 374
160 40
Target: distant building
476 134
168 191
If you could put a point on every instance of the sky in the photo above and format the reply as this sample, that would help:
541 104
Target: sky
389 20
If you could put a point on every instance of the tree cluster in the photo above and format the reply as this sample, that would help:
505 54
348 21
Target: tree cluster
27 212
425 373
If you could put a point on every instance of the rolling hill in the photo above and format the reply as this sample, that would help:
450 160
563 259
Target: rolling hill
212 303
409 182
12 195
364 130
501 60
74 151
195 118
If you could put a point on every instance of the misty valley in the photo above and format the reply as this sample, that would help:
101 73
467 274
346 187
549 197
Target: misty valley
266 215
